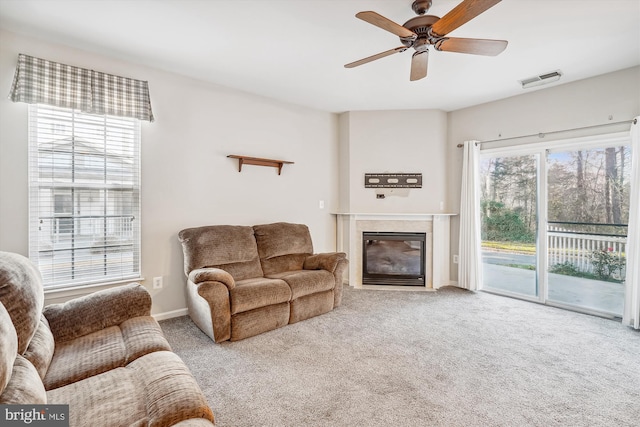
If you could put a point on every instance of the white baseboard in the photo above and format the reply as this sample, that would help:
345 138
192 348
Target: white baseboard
170 314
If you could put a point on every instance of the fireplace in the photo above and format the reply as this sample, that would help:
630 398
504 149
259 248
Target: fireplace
393 258
350 229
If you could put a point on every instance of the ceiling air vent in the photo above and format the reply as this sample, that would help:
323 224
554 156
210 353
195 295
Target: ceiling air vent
540 80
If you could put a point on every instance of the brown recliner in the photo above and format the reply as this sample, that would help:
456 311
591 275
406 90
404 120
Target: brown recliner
243 280
102 354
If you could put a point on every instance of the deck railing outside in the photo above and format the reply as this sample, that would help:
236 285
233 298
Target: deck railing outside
584 245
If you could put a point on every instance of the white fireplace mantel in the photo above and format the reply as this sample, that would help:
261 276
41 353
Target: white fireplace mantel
351 225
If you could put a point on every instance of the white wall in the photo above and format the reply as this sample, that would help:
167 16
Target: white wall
604 99
406 141
187 180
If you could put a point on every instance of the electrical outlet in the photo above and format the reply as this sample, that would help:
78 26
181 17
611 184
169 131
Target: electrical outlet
157 282
455 259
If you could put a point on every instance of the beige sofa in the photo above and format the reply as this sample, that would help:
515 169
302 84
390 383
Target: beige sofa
103 355
243 280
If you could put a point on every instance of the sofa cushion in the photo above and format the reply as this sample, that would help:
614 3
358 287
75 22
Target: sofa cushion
41 348
22 295
25 385
154 390
282 246
250 294
282 238
8 347
229 247
306 282
104 350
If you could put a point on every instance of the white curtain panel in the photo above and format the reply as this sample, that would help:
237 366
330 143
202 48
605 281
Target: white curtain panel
470 257
631 315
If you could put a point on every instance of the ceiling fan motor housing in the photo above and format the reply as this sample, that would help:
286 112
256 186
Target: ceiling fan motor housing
420 25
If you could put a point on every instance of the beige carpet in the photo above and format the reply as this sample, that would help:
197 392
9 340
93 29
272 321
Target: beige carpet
449 358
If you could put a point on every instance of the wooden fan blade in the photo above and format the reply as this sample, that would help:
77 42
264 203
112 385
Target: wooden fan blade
462 13
376 56
419 62
473 46
380 21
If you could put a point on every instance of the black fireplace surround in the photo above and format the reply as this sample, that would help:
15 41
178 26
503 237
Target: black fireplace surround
393 258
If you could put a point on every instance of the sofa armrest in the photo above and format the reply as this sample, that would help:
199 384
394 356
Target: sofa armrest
96 311
210 308
200 275
326 261
209 303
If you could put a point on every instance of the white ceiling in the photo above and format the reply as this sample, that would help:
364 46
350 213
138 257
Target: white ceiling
294 50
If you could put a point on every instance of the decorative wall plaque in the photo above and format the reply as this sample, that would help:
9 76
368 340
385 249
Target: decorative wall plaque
392 180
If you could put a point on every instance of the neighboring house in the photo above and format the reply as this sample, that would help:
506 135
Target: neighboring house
99 217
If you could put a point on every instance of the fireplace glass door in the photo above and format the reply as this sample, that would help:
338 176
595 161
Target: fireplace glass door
393 258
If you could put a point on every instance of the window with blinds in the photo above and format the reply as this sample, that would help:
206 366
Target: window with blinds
84 196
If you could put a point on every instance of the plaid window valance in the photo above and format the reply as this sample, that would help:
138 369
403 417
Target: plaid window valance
38 81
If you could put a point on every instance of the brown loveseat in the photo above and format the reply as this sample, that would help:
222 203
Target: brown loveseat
102 354
243 280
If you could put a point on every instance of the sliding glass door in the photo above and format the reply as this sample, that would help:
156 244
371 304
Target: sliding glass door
554 222
509 205
588 212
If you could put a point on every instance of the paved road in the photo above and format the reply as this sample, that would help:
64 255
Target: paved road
504 258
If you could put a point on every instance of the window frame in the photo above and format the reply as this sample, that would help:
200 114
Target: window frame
100 262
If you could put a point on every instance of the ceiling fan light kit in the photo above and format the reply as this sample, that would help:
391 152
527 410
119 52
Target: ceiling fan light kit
423 31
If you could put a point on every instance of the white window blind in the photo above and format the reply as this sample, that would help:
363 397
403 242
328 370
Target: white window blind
84 196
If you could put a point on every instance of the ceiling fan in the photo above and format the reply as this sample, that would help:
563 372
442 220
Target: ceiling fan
423 31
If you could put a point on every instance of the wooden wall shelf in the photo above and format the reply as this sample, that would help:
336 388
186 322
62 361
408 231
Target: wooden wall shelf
258 161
